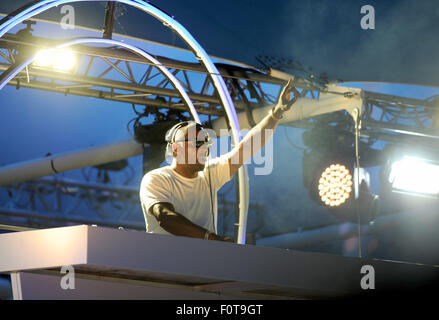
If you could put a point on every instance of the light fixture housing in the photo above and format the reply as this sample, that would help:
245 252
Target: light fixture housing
330 179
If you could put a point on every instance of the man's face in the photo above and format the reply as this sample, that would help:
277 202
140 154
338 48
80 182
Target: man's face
191 148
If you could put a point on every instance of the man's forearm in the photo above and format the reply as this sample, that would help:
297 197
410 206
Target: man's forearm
254 141
262 132
179 225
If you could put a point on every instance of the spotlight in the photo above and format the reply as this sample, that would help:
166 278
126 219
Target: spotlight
60 60
330 179
65 60
415 175
335 185
412 175
329 171
44 58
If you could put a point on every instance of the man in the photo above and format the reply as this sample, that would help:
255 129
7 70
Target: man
180 199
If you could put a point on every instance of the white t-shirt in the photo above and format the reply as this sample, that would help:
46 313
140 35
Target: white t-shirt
189 196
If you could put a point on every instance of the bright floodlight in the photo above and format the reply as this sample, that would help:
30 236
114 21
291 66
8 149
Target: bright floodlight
64 60
335 185
60 60
44 58
415 175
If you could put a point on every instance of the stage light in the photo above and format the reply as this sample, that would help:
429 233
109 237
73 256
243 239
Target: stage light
335 185
58 59
44 58
330 178
415 176
65 60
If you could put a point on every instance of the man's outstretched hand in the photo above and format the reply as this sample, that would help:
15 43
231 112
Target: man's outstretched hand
285 100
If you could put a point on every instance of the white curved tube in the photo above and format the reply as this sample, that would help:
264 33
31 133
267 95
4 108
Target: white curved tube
200 54
11 74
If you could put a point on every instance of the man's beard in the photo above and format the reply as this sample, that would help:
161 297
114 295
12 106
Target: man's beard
199 166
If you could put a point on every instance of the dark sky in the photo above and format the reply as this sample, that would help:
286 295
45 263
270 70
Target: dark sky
325 35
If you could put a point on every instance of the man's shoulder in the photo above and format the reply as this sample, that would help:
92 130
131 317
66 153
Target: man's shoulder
158 174
222 159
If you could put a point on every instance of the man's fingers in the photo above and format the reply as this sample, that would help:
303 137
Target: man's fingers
296 96
286 93
288 86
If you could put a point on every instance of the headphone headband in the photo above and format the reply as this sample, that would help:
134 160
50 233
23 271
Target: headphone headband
170 137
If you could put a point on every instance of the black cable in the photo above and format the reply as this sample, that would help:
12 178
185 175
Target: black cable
211 200
357 185
128 127
135 111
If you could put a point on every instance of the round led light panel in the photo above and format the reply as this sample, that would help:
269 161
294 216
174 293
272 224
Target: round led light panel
335 185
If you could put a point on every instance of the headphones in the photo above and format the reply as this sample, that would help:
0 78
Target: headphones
171 133
170 138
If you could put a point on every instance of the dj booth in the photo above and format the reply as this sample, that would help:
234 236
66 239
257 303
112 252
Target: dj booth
103 263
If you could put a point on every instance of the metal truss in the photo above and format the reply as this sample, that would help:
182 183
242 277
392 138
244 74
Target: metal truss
59 202
401 119
46 203
107 73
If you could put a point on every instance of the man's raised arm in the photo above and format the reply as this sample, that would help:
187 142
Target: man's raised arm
263 131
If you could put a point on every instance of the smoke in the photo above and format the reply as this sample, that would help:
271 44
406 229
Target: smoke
327 35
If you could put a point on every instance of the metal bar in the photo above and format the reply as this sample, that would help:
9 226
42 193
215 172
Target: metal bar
188 86
42 200
58 199
108 70
399 128
399 101
117 68
115 84
89 65
110 11
11 55
125 55
130 71
6 57
133 95
32 214
165 81
146 75
107 96
14 228
96 186
73 86
205 86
